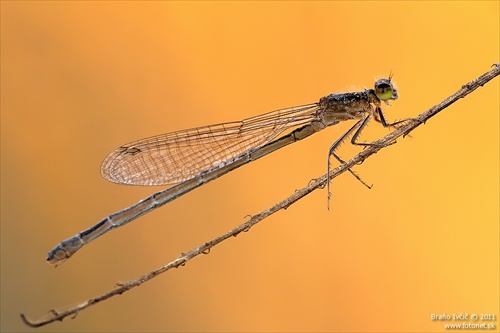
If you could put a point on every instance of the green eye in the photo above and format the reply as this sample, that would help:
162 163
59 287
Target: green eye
385 90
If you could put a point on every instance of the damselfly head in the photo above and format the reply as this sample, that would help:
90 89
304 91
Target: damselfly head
385 89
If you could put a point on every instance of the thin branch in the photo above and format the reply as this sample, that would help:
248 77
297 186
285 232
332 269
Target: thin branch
320 182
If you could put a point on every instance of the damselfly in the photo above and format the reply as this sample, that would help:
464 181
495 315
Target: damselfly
196 156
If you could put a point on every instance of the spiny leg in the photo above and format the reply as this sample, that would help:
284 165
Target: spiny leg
331 152
359 126
352 171
379 117
360 129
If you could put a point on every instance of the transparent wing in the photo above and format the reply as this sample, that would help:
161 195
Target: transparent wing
174 157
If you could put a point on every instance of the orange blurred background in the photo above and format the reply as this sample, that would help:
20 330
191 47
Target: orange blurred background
79 79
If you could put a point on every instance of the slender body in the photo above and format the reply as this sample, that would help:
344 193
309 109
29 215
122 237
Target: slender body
194 157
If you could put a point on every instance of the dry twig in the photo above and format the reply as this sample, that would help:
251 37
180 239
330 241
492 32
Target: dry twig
320 182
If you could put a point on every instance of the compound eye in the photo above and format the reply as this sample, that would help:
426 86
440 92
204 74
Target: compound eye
385 90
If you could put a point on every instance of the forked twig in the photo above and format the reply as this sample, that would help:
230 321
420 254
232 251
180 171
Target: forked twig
320 182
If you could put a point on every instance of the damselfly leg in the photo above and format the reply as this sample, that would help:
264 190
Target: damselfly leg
358 127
